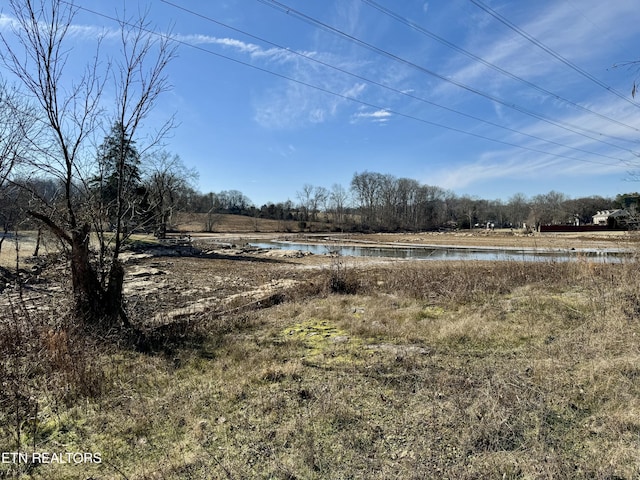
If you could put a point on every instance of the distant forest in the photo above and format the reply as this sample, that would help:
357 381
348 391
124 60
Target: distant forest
383 202
372 202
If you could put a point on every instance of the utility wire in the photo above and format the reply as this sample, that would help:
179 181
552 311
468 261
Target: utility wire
373 82
550 51
488 64
340 95
565 126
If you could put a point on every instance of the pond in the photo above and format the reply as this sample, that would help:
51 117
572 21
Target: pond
453 253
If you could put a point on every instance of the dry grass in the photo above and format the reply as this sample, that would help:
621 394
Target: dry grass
463 370
26 247
196 222
509 238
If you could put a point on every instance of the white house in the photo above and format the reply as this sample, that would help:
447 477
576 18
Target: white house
618 216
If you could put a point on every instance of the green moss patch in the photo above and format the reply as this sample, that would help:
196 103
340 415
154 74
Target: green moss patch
322 340
430 312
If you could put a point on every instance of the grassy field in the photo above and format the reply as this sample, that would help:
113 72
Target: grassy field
460 370
224 223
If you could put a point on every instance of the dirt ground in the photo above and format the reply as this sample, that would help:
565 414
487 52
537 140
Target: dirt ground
508 238
463 238
227 274
223 273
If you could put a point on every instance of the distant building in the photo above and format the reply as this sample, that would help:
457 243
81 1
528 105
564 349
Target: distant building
611 218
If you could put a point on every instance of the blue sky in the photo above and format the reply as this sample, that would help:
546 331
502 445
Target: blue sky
270 96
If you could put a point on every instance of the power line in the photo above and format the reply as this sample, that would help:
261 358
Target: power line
373 82
564 125
488 64
347 97
551 52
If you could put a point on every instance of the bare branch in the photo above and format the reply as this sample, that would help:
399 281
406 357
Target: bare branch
71 110
51 225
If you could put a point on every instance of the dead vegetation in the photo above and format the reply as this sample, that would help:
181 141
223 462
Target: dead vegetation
456 370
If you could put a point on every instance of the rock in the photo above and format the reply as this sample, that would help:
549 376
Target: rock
139 272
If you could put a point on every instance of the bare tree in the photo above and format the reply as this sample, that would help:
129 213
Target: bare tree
16 125
518 209
338 198
548 209
305 196
167 176
407 195
318 201
467 207
388 194
366 187
71 110
213 205
431 207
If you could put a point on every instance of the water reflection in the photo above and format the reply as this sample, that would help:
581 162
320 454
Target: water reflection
450 253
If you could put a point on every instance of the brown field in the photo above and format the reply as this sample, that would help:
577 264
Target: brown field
234 225
223 223
507 238
273 365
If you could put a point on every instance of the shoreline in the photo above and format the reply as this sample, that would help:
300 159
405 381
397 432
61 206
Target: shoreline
467 241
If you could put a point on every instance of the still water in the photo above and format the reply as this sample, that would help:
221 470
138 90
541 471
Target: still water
452 253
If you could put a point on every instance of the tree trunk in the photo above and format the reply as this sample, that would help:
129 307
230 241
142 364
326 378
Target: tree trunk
38 239
87 291
94 304
113 298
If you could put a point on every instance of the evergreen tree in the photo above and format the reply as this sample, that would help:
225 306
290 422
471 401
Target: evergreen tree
118 184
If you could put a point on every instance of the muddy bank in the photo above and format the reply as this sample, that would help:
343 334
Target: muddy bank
610 241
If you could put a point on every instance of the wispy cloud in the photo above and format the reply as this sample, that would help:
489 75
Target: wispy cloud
253 50
7 22
227 42
355 91
379 116
517 167
289 104
505 48
284 151
296 106
77 31
91 32
567 159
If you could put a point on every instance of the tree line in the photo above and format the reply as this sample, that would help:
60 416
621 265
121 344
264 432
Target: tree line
382 202
158 186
